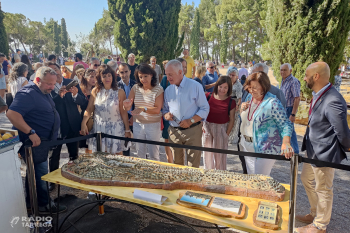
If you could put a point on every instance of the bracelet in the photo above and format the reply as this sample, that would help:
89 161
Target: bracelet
128 131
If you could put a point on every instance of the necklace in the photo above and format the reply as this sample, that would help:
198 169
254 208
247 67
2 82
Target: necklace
254 109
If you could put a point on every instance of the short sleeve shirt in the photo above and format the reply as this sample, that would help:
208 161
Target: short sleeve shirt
132 71
37 110
80 62
209 79
190 65
291 89
219 110
5 68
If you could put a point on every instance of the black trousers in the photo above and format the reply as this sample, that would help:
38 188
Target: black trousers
73 151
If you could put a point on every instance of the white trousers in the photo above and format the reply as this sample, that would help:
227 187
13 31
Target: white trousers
148 132
256 165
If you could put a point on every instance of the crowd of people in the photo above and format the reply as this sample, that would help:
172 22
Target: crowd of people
184 104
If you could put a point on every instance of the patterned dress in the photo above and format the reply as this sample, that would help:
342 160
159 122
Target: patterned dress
107 119
237 92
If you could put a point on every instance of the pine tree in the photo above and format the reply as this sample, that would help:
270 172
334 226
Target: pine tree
146 28
303 32
4 45
195 36
224 42
56 38
64 36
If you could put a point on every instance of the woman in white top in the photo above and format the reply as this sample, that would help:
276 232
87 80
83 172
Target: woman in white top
17 78
106 102
148 99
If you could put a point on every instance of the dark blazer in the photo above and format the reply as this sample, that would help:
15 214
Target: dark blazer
67 108
327 136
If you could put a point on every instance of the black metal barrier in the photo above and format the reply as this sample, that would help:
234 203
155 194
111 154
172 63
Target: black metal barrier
295 160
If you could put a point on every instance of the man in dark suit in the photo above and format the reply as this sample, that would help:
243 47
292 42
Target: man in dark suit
327 138
66 103
126 84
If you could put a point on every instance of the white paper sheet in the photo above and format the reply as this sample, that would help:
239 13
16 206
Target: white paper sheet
147 196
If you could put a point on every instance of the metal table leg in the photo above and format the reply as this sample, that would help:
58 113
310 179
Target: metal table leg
293 191
58 206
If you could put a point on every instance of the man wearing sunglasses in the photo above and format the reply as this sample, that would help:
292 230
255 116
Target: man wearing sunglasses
210 78
94 63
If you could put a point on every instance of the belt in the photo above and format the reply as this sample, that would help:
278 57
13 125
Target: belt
193 125
248 139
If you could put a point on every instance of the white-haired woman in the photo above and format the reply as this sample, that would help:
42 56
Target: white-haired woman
17 78
237 88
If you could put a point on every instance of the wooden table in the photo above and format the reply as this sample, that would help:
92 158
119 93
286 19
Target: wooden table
126 193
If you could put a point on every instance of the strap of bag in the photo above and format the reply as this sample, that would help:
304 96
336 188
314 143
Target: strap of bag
208 98
229 105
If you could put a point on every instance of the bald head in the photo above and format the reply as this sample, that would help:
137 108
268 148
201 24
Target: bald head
317 75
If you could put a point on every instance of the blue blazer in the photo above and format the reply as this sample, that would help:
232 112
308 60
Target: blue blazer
327 136
67 108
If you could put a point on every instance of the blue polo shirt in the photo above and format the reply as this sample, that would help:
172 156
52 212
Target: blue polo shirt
209 78
37 110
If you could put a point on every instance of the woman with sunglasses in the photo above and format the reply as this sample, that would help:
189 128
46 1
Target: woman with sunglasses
148 98
106 102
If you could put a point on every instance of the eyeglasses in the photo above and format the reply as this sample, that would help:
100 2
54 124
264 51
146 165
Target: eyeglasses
211 67
96 65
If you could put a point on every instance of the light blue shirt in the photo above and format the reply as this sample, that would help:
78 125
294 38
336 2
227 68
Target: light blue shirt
316 95
209 79
185 101
127 90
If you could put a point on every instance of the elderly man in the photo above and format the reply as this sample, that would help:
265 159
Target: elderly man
185 106
67 102
33 114
210 78
94 63
290 87
191 66
36 66
132 66
156 68
327 138
242 71
273 90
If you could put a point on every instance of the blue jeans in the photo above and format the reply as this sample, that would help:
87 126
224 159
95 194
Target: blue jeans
41 169
293 140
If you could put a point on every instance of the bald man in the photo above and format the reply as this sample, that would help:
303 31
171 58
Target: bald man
327 138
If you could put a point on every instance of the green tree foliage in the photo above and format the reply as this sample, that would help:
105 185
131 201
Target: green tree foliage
64 37
303 32
4 45
224 42
56 38
195 36
146 28
186 21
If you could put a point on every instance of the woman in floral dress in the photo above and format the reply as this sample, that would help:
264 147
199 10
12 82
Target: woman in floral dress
106 102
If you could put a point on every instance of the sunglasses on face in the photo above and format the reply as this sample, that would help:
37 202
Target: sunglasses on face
212 67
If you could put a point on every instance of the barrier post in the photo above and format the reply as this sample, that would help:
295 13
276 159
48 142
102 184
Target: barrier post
99 141
294 162
32 184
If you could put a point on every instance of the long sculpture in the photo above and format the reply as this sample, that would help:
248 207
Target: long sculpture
114 170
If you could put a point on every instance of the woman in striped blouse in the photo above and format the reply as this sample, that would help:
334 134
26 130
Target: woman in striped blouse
148 99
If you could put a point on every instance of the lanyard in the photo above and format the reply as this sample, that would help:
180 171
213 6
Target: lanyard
312 107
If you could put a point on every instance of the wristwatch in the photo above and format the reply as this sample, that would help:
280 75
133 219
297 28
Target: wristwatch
192 120
145 109
31 132
293 115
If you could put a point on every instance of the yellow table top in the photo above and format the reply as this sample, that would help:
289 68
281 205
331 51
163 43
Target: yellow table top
126 193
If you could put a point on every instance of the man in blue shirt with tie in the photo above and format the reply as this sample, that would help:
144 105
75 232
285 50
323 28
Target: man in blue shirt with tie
185 106
210 78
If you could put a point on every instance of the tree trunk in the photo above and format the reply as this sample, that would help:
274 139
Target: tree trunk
207 49
110 44
246 48
24 47
234 52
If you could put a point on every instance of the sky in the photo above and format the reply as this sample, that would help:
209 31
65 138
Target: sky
80 15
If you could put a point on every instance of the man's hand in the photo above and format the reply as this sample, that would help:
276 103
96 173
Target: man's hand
73 90
292 118
62 91
137 111
185 123
35 139
168 116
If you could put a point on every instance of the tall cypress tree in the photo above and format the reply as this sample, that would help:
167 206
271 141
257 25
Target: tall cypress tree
4 45
224 42
303 32
146 28
195 36
56 38
64 36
